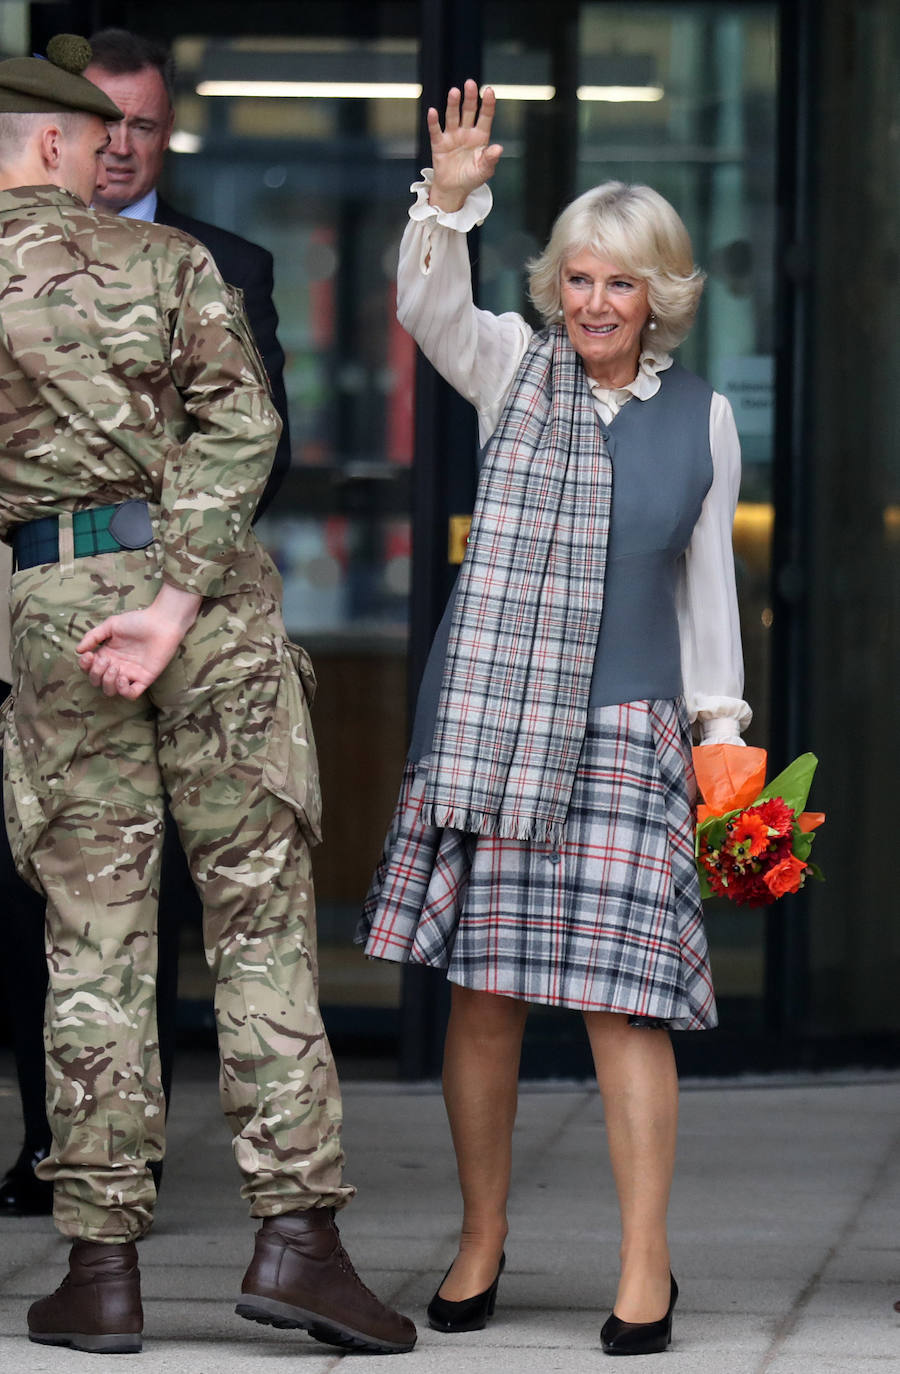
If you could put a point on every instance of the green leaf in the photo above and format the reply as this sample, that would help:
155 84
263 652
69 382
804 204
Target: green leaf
705 889
802 842
713 830
793 784
816 872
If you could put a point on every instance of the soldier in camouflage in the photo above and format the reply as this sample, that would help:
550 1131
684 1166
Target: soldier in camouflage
150 656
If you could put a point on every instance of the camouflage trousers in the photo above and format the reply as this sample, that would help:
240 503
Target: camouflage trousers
225 732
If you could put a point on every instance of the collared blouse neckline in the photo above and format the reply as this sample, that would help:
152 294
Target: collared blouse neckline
645 384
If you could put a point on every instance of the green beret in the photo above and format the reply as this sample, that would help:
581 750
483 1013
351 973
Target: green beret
35 85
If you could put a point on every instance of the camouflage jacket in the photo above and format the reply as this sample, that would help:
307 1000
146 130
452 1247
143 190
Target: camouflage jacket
127 370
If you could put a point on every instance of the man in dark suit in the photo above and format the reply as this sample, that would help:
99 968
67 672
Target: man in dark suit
138 75
141 74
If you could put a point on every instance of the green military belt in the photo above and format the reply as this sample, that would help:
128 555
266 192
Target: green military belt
104 529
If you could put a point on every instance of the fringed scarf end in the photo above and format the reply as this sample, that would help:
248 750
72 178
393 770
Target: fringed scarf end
527 828
456 818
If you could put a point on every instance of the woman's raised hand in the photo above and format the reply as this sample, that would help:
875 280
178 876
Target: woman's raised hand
462 154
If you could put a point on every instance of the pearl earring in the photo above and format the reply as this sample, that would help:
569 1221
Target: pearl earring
652 323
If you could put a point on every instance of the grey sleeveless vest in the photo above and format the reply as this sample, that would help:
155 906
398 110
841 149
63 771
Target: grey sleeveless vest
662 470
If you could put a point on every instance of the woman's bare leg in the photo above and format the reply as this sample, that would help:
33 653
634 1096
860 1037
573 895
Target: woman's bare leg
639 1083
481 1079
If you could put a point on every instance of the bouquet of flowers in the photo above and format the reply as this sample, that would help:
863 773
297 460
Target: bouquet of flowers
753 841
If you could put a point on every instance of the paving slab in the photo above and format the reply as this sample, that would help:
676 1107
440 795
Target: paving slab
785 1232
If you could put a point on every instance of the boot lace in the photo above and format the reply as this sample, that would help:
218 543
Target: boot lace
346 1264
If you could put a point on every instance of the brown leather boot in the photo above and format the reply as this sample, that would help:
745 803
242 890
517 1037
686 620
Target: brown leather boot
301 1276
97 1307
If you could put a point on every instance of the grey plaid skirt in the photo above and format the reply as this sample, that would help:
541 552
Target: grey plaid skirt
610 920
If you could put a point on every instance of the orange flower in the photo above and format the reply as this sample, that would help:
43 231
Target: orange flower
786 876
749 834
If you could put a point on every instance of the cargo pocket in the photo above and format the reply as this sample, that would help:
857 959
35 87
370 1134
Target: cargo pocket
303 664
291 770
25 818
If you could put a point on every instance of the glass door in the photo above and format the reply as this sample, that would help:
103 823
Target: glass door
682 97
303 140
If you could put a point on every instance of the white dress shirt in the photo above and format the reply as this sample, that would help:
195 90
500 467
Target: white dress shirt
145 208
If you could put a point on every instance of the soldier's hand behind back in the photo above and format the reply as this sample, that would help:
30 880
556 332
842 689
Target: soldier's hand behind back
125 654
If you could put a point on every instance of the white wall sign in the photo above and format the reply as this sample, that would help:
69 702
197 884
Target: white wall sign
749 384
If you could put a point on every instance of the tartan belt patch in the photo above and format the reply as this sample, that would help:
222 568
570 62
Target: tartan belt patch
104 529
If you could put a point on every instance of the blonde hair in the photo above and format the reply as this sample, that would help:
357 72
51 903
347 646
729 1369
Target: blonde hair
637 229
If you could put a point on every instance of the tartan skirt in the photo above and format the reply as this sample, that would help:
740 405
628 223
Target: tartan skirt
610 919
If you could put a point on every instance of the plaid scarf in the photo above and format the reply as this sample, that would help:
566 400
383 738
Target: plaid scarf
513 707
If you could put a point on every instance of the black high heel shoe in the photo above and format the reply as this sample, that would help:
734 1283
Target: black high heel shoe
472 1314
639 1338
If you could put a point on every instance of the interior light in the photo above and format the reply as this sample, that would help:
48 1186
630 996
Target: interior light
756 517
315 90
184 142
620 94
509 92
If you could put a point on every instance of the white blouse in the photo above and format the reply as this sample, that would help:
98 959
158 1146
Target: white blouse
479 353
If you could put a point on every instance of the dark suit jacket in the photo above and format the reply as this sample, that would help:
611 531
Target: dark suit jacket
246 265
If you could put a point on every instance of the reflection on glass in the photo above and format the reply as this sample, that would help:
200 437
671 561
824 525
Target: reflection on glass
320 180
319 176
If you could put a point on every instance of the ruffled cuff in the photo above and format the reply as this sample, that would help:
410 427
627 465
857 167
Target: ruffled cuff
721 719
472 212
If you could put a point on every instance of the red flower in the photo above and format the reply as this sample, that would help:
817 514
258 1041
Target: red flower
777 815
757 841
744 887
786 876
714 865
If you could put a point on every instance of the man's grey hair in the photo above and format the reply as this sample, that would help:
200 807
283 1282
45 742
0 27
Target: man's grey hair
122 53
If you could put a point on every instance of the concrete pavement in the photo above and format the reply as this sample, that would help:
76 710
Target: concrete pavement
785 1224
